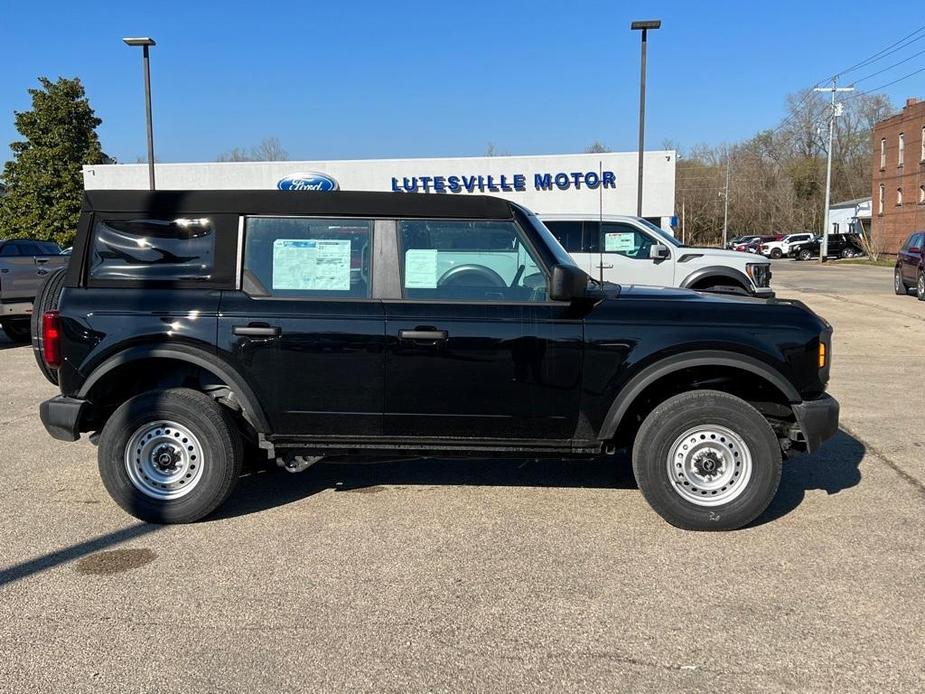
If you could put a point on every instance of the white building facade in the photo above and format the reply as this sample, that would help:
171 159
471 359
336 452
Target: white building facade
565 186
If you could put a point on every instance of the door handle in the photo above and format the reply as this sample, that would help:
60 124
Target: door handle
424 335
604 267
41 271
256 330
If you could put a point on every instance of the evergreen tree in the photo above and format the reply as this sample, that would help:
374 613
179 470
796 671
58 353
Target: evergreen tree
43 180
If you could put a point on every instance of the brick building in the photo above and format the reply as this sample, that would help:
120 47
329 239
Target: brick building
898 206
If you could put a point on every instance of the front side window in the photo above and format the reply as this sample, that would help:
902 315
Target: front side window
301 258
455 260
153 250
625 240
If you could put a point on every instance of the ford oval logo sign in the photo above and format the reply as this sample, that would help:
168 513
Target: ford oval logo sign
308 181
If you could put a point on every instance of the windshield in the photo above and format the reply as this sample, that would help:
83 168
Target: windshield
661 232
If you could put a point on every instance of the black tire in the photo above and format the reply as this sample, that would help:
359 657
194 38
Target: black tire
46 300
805 254
668 424
899 284
920 286
219 463
776 253
17 329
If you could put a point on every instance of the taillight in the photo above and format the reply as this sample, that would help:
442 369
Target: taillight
51 339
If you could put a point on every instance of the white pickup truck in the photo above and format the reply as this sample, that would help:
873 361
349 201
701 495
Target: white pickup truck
631 250
24 265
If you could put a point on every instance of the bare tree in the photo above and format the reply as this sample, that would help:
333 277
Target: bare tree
269 149
597 147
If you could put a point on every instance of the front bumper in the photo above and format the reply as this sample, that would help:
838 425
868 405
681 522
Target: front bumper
61 416
817 420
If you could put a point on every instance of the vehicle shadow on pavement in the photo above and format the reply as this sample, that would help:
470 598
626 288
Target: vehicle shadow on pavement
834 468
264 489
7 344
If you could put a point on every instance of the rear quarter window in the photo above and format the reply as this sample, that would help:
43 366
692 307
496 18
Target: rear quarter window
182 251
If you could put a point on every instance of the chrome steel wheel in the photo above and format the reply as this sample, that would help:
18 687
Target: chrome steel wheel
920 285
164 460
709 465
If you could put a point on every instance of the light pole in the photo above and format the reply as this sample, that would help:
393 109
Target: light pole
644 27
145 42
835 112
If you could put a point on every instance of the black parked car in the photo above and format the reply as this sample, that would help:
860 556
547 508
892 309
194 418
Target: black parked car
840 246
193 325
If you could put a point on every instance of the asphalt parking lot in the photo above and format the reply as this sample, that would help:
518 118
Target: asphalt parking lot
489 576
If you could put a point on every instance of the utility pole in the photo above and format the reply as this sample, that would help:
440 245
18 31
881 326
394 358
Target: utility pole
683 225
726 202
836 109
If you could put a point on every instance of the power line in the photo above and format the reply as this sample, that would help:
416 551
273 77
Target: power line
882 53
888 84
890 67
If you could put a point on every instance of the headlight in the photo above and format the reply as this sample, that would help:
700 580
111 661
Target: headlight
759 273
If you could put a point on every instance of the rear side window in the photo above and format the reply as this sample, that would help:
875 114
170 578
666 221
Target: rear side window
154 250
300 258
9 250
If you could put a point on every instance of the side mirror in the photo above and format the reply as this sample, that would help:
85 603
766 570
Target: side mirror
658 252
568 282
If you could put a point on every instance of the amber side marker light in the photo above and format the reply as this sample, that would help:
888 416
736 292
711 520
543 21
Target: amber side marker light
822 355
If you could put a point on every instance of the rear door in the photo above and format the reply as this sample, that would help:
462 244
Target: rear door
304 329
909 257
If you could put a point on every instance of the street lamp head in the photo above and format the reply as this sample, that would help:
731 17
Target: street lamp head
138 41
646 24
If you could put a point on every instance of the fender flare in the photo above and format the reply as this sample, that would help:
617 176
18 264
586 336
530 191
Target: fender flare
668 365
718 271
191 355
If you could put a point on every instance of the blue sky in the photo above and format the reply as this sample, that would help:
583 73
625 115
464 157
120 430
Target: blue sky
345 79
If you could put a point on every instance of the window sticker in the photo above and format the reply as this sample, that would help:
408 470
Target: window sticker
421 268
619 241
311 264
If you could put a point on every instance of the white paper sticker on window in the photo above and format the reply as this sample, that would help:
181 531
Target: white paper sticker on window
421 268
619 241
311 264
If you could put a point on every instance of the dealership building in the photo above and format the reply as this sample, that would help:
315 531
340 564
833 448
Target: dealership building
563 187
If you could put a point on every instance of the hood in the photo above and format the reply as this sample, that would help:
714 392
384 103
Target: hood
645 292
721 253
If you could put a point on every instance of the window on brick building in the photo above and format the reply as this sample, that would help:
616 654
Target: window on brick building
922 194
883 153
923 144
902 148
880 200
899 197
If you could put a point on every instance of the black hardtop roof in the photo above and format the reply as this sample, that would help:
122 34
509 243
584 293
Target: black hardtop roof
291 202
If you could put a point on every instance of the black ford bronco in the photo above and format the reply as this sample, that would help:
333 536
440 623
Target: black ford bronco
194 328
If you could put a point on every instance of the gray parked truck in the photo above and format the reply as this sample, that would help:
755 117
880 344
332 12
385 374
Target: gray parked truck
24 266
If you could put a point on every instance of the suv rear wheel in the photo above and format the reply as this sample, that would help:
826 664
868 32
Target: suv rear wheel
920 286
170 456
707 460
899 286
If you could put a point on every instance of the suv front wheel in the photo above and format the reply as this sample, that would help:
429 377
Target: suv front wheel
707 460
170 456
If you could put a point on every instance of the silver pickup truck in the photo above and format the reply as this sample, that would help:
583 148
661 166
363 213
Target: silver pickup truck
24 265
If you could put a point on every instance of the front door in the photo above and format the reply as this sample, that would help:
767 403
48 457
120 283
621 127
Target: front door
475 349
304 330
624 256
